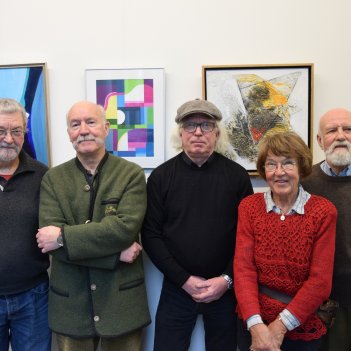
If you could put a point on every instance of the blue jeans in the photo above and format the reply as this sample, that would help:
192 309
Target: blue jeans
24 320
176 317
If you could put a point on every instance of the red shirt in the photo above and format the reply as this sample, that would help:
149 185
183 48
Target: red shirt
294 256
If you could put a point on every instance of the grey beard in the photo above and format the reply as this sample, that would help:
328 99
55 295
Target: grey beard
338 159
9 155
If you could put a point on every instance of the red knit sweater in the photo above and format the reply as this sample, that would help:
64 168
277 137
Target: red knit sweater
294 256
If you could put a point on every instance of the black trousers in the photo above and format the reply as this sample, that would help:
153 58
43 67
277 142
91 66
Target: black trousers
176 317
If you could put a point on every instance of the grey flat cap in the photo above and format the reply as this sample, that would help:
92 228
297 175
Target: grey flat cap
198 106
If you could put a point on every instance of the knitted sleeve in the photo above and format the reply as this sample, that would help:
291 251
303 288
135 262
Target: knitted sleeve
317 287
245 270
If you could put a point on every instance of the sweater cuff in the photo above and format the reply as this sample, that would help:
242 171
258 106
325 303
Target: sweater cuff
288 319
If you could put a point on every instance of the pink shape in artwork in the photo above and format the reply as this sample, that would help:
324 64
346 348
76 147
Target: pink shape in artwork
136 145
148 94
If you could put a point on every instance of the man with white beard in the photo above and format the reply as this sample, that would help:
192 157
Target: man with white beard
332 179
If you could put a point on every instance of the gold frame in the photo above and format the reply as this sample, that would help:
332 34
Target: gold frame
275 91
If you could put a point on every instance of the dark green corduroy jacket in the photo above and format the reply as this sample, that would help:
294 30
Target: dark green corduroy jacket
91 291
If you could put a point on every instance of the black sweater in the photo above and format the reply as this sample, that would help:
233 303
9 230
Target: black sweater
338 191
191 218
22 265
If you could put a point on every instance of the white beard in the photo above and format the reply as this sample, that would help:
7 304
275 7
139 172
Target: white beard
339 157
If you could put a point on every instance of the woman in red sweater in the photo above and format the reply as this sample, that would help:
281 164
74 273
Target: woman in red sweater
284 252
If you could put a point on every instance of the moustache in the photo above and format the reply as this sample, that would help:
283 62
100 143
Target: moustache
7 146
337 144
84 138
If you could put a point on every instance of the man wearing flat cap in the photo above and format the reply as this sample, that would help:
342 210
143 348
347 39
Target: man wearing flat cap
189 231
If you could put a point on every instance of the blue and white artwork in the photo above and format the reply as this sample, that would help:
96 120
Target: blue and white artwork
26 84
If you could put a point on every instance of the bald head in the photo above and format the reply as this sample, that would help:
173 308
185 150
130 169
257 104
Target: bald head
87 129
336 115
334 138
84 105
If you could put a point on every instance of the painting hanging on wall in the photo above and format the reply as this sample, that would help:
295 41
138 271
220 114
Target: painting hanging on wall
133 100
258 99
26 83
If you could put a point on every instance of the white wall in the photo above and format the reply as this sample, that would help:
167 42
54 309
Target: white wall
181 36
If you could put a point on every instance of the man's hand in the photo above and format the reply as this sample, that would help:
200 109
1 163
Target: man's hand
129 255
190 286
47 238
210 290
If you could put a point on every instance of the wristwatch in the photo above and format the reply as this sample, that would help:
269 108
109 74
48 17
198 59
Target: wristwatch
228 280
60 239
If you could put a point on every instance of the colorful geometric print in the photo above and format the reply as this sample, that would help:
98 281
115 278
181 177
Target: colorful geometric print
27 86
129 106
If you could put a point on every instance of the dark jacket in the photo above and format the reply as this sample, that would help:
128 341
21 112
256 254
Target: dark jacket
22 265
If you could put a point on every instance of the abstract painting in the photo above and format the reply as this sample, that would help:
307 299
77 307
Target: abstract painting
133 100
256 100
26 83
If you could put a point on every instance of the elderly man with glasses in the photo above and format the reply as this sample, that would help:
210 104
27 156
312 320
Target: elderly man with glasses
23 268
189 231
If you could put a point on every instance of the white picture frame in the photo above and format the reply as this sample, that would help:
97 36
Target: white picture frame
134 102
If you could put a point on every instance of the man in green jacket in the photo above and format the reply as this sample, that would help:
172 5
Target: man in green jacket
91 211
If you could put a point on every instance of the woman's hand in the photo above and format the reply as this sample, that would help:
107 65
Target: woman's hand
262 339
278 330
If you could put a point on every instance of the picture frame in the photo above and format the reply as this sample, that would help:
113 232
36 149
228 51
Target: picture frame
134 102
26 83
255 99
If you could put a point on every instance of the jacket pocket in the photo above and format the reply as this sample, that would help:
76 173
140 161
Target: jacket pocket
59 291
132 284
110 206
113 200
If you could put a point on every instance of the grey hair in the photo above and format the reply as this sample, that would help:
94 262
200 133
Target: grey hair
222 143
9 106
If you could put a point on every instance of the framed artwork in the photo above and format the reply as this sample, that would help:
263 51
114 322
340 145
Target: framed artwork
134 103
256 99
26 83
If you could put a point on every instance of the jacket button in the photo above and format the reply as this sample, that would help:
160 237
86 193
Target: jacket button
93 287
96 318
86 187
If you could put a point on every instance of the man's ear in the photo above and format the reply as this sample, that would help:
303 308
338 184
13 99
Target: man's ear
107 127
320 142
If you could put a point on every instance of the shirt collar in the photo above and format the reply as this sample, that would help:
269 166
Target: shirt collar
189 162
298 207
328 171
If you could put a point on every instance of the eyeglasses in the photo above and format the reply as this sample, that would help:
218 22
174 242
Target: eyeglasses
206 127
287 165
15 133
